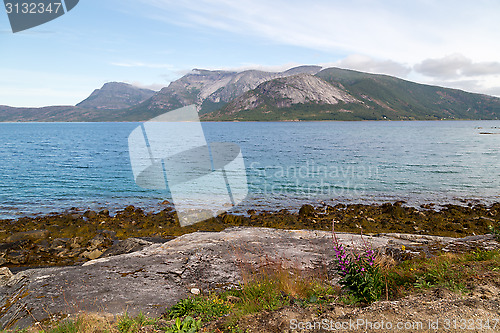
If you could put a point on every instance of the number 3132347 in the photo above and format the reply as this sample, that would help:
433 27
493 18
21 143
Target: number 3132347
33 8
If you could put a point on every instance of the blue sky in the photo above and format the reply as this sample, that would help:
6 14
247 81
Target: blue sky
152 42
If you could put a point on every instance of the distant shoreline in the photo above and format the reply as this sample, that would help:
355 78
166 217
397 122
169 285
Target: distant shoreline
248 121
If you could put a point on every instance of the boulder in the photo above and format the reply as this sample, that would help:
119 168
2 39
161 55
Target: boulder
5 275
99 241
159 275
28 235
90 214
91 254
306 211
126 246
104 213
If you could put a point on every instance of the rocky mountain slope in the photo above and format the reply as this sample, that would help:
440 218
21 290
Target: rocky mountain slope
338 94
210 90
286 92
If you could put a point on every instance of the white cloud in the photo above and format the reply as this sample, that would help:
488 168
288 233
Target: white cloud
371 65
455 66
461 72
402 38
142 64
403 31
152 86
259 67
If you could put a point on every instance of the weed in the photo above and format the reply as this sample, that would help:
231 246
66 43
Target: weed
127 324
68 326
481 255
495 230
212 307
182 308
187 325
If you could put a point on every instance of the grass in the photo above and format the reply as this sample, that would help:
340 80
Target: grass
450 271
267 290
274 287
495 231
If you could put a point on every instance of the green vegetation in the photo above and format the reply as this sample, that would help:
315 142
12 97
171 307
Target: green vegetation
449 271
413 100
127 324
495 230
187 325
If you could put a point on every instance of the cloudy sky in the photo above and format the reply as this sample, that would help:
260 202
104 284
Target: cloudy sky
152 42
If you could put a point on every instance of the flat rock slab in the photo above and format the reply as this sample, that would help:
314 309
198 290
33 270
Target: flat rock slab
158 276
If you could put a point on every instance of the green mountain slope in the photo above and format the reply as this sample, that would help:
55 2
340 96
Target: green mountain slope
378 97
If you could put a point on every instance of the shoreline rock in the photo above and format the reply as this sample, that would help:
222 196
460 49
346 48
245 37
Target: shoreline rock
79 236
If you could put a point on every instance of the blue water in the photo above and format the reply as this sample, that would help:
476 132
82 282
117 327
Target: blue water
46 167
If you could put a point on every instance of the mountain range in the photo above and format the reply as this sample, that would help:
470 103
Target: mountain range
300 93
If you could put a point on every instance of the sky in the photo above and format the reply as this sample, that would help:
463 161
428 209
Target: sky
150 43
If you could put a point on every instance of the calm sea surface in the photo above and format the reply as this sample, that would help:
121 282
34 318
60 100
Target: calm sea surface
46 167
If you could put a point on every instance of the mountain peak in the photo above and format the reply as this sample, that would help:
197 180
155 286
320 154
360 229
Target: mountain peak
198 71
308 69
116 95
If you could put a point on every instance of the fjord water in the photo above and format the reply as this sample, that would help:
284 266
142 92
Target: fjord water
47 167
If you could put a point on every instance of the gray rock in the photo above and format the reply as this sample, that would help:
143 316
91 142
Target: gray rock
216 87
98 241
126 246
5 275
91 254
28 235
90 214
195 291
59 243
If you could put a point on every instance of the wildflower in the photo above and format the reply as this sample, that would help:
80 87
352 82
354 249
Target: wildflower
354 268
403 248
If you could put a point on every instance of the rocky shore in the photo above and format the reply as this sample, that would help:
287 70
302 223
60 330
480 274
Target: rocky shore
79 236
